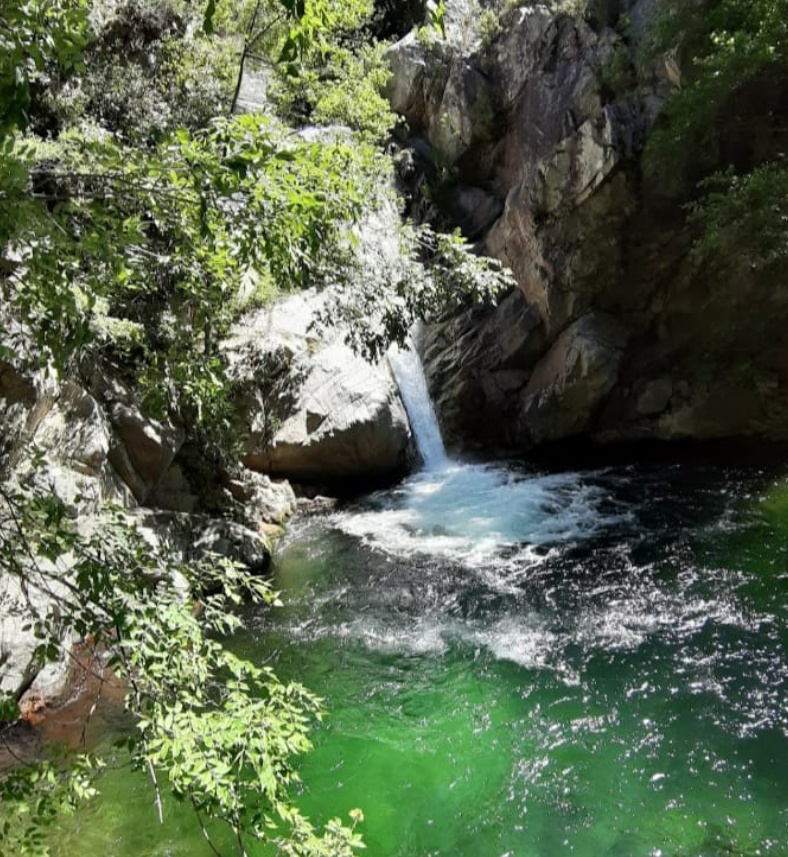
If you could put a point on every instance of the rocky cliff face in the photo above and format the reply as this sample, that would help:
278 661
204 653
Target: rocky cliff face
616 331
310 408
88 442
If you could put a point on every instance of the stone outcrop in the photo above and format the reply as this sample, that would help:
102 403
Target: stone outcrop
66 427
573 378
314 411
474 365
141 448
20 670
541 125
89 443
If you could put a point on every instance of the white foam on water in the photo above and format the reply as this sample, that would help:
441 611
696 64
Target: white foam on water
423 637
472 514
524 640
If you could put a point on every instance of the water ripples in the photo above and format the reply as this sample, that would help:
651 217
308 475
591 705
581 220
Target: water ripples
532 664
554 573
477 514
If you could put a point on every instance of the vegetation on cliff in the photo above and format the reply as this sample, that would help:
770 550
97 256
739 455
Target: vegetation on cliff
722 138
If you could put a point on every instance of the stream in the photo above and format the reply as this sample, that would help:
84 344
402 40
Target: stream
522 662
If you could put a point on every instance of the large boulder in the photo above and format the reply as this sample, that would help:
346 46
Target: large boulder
570 383
142 447
314 410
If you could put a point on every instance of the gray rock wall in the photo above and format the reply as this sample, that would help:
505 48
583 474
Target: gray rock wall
534 119
90 444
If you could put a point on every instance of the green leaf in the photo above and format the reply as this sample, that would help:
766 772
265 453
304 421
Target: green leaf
210 12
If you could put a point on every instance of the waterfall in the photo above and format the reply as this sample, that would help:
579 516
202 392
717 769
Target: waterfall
413 389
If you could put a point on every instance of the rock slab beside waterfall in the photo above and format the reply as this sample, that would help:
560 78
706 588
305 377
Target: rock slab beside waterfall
314 411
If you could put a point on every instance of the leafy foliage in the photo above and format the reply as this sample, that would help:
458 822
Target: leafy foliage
433 274
721 142
221 730
342 87
143 252
728 50
167 241
35 796
335 73
33 35
177 77
747 215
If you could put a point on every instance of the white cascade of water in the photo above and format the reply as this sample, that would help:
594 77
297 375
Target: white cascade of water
407 370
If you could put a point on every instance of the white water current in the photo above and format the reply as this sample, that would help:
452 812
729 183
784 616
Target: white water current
412 385
473 513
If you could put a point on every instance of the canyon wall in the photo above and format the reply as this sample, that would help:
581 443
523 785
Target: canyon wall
532 129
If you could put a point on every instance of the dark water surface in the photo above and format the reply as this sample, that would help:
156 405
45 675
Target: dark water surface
519 664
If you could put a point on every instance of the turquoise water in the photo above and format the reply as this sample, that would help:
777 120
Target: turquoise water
527 665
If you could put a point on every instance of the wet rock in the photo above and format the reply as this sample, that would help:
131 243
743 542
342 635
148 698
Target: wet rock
316 505
263 498
475 363
473 209
532 117
655 397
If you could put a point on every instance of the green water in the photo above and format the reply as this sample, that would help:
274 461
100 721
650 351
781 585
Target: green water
611 681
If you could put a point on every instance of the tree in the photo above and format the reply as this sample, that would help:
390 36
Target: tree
733 56
105 237
138 249
116 237
32 36
219 731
